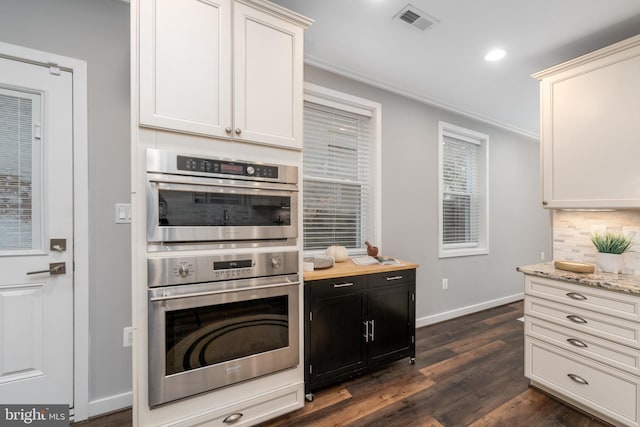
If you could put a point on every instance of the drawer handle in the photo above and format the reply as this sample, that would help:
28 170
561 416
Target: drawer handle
342 285
233 418
394 278
576 319
576 296
578 379
576 342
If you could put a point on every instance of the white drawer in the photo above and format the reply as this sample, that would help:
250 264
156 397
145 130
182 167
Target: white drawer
603 301
250 412
606 391
611 328
615 355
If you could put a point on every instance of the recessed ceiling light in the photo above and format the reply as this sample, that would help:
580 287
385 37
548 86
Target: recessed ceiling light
495 55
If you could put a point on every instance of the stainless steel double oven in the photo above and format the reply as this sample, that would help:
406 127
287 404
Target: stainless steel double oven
229 313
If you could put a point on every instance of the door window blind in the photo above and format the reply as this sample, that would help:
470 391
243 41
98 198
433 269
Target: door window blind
461 166
337 188
19 164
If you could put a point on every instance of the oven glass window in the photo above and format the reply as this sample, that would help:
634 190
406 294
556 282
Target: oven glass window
193 209
203 336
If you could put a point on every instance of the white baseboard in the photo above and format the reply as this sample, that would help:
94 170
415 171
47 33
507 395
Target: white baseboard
452 314
110 404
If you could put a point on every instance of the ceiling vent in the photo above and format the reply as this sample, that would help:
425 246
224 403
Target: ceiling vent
415 17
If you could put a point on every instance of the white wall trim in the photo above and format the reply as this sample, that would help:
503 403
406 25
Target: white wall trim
364 79
78 68
110 404
452 314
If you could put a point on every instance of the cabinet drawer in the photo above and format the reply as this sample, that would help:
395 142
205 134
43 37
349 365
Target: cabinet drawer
603 301
613 354
337 286
596 387
391 277
600 325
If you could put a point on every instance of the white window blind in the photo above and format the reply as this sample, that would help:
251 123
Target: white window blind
337 186
463 198
461 213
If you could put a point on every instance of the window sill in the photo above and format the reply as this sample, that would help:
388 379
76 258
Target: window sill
460 252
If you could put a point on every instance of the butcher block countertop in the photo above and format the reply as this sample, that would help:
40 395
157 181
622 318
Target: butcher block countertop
348 268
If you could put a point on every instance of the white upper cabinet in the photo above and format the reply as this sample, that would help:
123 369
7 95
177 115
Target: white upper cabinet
590 129
222 68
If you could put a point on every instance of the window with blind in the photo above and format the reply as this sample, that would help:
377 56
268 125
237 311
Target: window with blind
339 176
463 191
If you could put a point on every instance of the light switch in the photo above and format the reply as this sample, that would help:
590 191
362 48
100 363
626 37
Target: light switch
123 213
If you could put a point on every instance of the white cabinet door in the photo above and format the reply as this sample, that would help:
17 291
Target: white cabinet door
268 68
590 127
185 65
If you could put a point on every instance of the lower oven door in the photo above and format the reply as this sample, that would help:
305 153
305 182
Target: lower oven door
204 339
215 210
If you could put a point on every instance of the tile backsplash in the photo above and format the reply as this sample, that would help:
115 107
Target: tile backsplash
572 235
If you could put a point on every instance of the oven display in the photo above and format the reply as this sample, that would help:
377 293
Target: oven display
231 168
227 265
213 166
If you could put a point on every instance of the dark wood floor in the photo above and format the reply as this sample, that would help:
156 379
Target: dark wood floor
468 372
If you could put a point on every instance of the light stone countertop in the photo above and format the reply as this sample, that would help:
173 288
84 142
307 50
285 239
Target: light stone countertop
626 283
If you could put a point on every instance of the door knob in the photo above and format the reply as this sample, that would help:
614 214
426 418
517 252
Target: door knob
238 131
54 268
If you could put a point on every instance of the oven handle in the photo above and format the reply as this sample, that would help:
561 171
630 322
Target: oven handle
221 291
167 183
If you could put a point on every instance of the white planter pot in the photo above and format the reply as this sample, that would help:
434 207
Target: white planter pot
609 263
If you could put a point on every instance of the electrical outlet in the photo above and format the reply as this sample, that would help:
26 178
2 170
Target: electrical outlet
445 283
127 336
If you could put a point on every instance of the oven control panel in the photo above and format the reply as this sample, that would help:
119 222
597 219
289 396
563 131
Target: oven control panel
169 271
225 167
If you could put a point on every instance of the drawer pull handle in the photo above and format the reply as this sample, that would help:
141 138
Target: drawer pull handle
233 418
576 296
576 342
390 278
578 379
576 319
342 285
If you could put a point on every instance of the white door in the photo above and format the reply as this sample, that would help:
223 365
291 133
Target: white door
36 206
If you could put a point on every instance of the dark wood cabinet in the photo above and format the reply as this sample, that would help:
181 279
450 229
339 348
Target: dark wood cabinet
357 323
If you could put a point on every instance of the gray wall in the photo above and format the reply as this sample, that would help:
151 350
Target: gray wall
519 228
96 31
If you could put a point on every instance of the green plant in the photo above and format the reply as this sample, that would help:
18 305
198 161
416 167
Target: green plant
611 243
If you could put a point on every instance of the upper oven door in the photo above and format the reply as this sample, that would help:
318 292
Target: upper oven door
196 209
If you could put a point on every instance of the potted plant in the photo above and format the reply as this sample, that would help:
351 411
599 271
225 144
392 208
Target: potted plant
610 247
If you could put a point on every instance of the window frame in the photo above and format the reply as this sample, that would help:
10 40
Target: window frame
465 249
331 98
